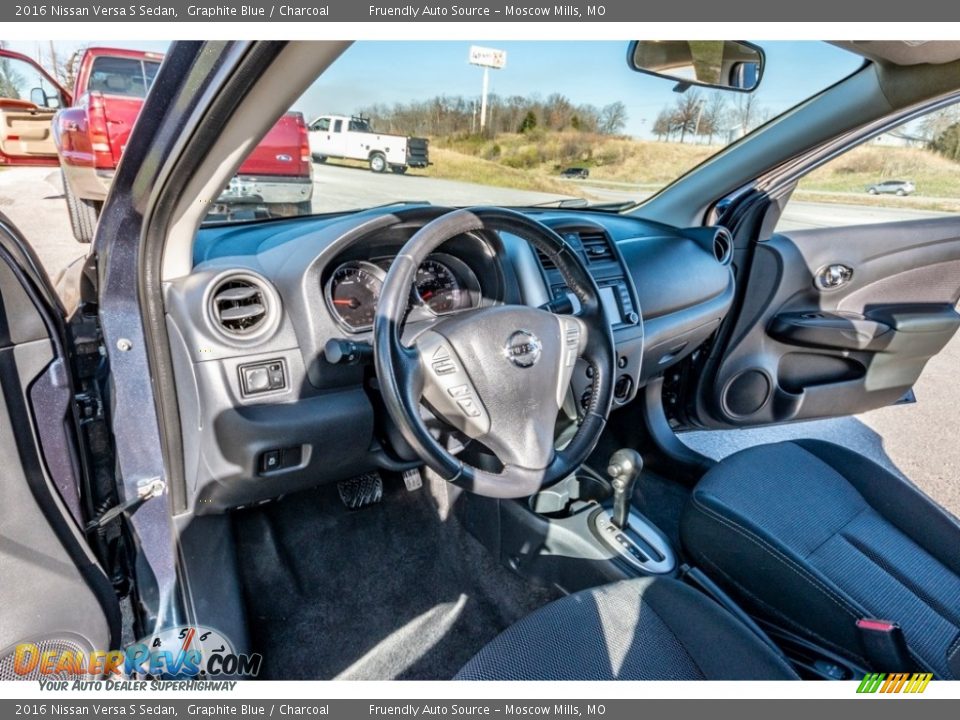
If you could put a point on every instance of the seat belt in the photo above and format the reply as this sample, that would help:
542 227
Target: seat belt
884 645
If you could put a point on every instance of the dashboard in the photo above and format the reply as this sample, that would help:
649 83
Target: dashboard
271 331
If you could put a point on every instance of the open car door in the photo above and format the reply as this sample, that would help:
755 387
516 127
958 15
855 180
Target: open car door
29 98
832 321
54 596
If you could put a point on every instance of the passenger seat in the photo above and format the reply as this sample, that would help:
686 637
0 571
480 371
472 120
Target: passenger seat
814 538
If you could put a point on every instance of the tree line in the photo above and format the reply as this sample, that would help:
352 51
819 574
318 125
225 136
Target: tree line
697 116
941 131
446 115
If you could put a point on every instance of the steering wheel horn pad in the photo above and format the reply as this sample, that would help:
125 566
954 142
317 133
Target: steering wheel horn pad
499 375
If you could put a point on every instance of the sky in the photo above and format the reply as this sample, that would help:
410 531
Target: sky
593 72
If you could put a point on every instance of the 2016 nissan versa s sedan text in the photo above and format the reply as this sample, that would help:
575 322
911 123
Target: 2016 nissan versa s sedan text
432 429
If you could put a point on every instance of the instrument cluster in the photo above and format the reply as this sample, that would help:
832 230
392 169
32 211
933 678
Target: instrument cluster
443 285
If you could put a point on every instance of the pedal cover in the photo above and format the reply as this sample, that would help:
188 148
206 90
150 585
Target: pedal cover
361 491
412 479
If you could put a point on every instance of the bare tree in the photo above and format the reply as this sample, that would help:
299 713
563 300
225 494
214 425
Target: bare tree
613 118
714 118
663 125
687 114
746 114
936 123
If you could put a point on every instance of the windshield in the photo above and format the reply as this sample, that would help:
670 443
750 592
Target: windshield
516 124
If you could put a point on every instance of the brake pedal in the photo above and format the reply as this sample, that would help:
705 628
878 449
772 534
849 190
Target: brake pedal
363 490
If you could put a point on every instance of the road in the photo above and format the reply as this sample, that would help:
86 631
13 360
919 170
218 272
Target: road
918 441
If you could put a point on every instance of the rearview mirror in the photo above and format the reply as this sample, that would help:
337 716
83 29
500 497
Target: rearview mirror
720 64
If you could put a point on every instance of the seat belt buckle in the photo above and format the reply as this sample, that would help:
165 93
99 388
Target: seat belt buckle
884 645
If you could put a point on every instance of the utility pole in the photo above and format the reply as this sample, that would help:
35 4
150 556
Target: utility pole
483 99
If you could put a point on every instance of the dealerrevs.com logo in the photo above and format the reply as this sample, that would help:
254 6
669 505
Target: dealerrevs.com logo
180 653
894 683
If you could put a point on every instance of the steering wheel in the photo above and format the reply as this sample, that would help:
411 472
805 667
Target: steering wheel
497 374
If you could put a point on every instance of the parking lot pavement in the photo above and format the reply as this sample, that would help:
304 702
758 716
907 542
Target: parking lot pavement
918 441
33 200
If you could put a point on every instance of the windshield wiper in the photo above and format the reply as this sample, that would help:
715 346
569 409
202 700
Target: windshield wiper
562 203
612 207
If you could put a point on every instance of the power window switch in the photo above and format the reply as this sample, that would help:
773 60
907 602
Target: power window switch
270 461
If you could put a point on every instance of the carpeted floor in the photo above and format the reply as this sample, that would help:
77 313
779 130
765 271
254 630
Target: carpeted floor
391 591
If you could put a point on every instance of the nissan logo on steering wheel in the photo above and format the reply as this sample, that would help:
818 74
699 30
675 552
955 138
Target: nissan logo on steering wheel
523 349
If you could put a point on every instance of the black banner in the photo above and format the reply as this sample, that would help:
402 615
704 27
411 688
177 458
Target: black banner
476 11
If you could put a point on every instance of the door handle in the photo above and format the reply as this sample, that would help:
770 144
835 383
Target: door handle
832 277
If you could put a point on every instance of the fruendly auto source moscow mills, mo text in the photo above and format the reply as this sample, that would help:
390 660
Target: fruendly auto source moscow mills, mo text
282 10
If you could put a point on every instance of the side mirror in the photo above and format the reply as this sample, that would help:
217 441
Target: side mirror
719 64
39 97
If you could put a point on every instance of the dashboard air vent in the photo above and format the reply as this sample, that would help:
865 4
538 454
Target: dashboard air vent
545 262
596 246
240 307
723 247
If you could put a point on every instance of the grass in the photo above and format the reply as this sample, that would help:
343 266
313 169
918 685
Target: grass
611 158
533 160
452 165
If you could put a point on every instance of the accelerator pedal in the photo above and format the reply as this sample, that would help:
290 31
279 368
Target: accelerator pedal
361 491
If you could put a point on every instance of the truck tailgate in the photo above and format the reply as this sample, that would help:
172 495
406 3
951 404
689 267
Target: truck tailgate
283 151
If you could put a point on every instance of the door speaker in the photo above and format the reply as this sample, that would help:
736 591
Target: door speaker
747 393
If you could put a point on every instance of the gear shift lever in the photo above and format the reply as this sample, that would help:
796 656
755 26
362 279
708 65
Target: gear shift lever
631 537
624 468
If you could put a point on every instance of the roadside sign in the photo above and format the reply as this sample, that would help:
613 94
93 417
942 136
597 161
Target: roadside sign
488 57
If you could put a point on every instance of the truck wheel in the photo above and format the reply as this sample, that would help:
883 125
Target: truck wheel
378 162
319 158
83 213
398 169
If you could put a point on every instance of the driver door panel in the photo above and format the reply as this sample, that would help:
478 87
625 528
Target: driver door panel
838 321
54 594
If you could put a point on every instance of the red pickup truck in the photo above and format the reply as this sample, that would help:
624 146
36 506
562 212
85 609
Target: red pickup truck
92 124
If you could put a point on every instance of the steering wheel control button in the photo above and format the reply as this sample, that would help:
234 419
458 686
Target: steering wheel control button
469 407
441 363
459 391
448 389
523 349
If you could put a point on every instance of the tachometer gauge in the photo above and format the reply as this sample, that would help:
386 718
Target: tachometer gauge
438 287
352 293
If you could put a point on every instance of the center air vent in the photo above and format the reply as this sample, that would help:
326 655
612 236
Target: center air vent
723 246
240 307
596 246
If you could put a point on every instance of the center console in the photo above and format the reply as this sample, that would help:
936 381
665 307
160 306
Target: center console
580 533
604 262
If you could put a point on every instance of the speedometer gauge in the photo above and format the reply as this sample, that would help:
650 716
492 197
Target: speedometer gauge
438 288
352 293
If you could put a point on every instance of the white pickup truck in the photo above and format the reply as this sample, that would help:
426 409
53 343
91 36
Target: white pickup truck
341 136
